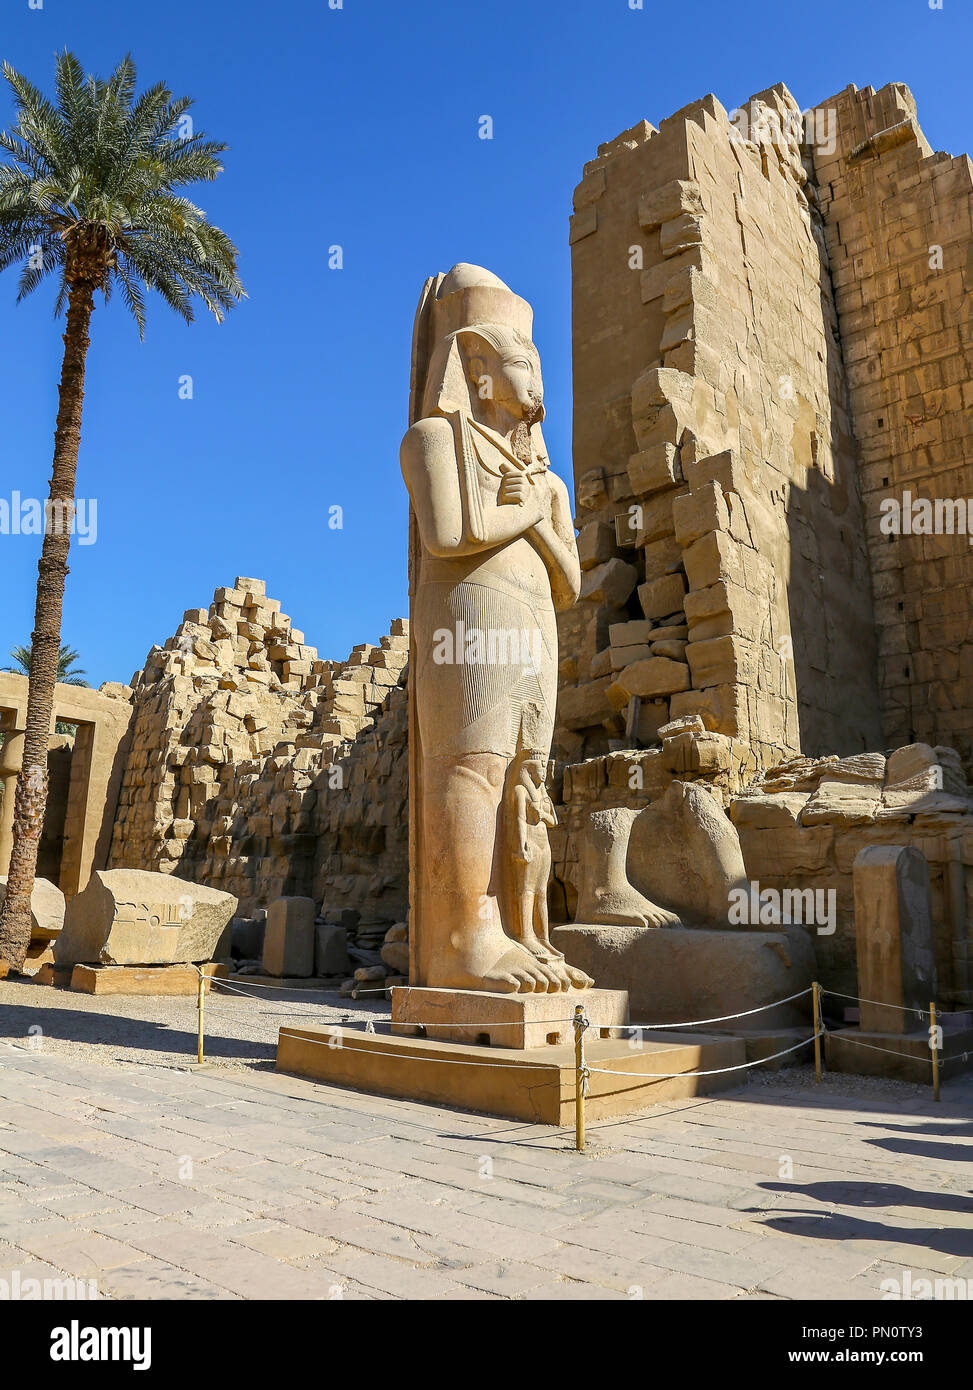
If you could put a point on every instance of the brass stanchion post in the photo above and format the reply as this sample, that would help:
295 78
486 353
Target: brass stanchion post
200 995
580 1076
933 1041
816 994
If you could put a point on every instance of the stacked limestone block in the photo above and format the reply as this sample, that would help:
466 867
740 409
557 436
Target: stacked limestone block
899 228
254 763
228 685
802 823
721 532
319 815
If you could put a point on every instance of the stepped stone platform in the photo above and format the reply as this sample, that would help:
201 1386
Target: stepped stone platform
535 1084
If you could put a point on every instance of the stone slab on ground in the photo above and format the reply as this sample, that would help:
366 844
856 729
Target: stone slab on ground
133 917
905 1056
50 973
536 1083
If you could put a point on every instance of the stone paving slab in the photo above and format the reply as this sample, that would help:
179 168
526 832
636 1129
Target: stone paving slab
233 1182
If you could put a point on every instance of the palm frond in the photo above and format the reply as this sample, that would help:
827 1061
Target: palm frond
101 157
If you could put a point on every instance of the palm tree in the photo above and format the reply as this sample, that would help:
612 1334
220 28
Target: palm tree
93 195
67 671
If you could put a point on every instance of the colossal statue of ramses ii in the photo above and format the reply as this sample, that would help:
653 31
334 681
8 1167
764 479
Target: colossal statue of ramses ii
492 556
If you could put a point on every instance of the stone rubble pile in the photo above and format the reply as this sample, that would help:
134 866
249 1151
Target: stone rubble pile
802 823
258 768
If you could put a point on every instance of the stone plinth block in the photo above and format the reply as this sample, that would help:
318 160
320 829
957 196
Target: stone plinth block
537 1084
682 974
134 917
46 908
904 1056
289 938
893 936
505 1020
152 980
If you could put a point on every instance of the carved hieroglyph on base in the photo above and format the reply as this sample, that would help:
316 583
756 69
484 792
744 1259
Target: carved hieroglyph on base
492 555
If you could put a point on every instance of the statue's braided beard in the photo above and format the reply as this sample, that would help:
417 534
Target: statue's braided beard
520 442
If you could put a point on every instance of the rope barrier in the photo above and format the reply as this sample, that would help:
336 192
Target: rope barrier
291 989
910 1056
717 1071
877 1002
724 1018
584 1072
516 1023
857 1042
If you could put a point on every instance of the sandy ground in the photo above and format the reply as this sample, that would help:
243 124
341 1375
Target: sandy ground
241 1024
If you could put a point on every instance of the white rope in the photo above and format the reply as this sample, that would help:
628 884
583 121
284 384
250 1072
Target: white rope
615 1027
718 1071
290 989
909 1056
877 1002
410 1023
700 1022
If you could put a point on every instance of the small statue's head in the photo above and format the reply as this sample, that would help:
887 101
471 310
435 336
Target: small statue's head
533 772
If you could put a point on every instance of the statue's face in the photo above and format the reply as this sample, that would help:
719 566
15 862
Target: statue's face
511 378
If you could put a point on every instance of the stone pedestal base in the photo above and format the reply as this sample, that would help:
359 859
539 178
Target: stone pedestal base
151 980
678 974
505 1020
534 1085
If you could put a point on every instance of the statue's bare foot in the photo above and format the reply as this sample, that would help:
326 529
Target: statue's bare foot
508 969
628 910
567 975
579 980
519 971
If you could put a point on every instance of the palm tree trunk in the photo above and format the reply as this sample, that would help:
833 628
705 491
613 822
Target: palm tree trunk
31 797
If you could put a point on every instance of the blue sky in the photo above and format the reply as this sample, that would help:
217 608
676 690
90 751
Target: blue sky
359 127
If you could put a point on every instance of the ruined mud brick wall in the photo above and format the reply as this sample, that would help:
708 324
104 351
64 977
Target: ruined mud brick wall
721 532
801 824
900 243
254 764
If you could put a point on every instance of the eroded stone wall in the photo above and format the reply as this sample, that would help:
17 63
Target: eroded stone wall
898 226
720 524
259 768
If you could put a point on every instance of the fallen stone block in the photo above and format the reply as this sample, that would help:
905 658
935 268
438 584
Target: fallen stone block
134 917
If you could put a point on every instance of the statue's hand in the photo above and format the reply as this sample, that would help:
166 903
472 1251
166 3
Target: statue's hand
515 487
